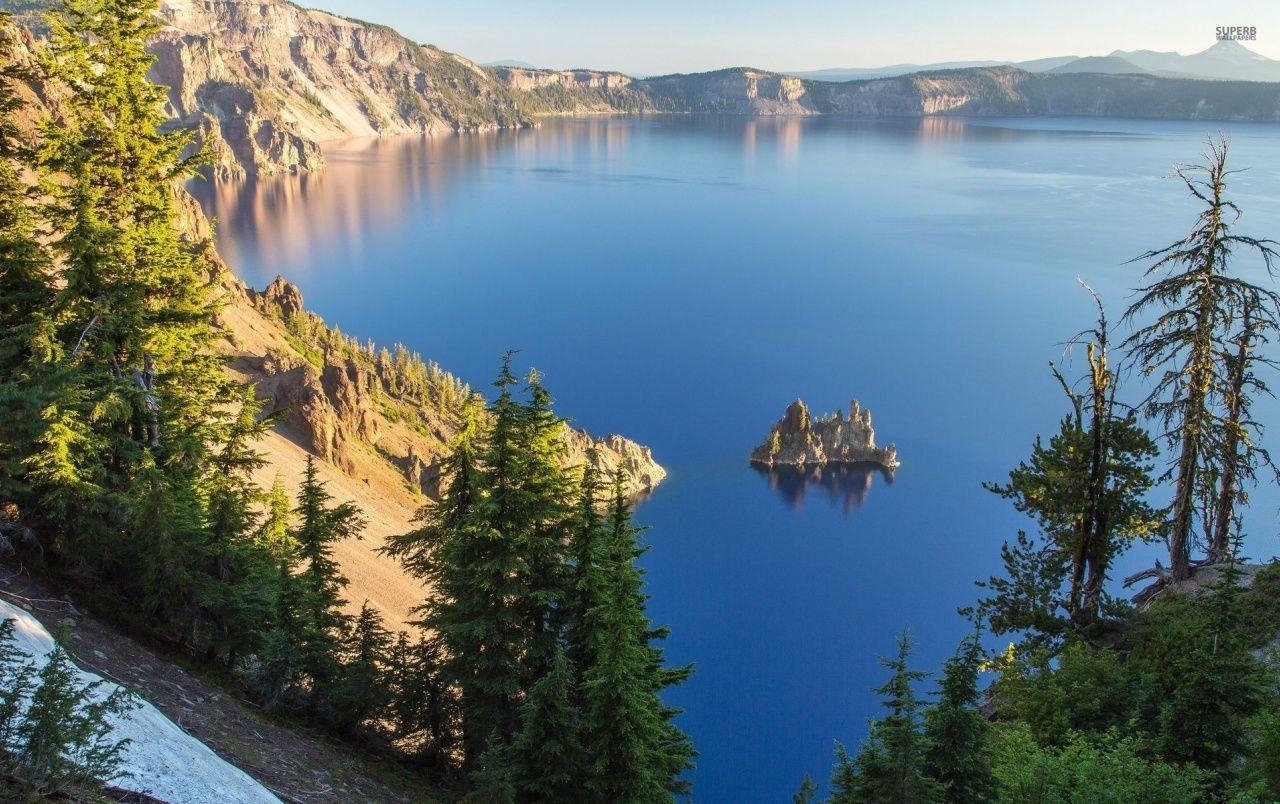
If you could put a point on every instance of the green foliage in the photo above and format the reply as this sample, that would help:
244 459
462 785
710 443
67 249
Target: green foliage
891 765
1102 769
1085 490
957 753
55 732
807 793
1088 690
322 623
1202 308
549 764
637 752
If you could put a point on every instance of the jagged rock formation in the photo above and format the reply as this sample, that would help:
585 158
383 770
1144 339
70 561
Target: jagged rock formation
800 440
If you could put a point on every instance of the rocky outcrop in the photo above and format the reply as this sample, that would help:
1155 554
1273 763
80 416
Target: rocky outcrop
802 441
351 409
613 455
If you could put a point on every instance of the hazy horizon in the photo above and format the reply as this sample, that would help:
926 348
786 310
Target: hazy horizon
665 36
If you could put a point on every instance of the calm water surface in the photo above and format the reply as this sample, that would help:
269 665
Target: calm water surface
681 280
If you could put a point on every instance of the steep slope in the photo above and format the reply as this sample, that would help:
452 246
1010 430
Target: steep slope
295 764
379 420
160 760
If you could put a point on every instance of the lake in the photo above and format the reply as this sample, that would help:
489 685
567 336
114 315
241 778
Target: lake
680 280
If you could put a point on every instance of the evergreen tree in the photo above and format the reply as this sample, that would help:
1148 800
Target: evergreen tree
491 783
27 345
274 535
1197 300
470 568
65 736
363 694
548 759
957 753
891 766
322 623
807 793
637 751
587 578
1085 489
844 778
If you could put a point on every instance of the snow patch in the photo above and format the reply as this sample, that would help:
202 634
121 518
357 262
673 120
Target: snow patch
164 761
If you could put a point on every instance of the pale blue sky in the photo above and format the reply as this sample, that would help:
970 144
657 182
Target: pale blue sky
660 36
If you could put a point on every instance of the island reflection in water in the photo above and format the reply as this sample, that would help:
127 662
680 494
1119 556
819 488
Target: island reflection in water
843 485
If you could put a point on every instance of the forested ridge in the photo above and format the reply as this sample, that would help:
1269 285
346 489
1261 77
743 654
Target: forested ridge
533 673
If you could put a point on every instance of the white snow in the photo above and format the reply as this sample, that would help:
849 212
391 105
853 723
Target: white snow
164 761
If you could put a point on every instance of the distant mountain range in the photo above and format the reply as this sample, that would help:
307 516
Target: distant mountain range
1227 60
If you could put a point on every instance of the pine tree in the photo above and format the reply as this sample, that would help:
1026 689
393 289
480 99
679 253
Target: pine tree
637 751
27 345
274 535
958 753
890 766
322 622
844 778
1197 298
1086 490
65 735
587 579
548 523
548 759
363 693
470 568
807 793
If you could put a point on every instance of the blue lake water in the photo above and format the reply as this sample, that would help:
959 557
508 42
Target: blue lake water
681 280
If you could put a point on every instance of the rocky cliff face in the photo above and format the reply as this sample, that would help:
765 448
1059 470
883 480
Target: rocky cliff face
802 441
264 82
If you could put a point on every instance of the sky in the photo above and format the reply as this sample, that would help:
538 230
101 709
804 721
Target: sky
663 36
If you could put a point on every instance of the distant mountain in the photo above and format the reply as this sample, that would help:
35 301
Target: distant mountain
1109 65
520 65
1227 60
841 74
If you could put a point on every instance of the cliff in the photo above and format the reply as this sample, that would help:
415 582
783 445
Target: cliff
802 441
265 82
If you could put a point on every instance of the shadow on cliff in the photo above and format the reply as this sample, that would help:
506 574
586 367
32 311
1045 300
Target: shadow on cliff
842 485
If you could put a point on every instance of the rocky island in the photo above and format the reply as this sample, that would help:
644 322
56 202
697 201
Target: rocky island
800 440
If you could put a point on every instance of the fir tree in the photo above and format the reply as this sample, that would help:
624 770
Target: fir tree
363 693
637 752
322 622
957 753
65 735
548 758
27 345
891 766
807 793
844 778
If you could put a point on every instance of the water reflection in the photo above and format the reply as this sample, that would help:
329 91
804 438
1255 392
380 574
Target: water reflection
842 485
